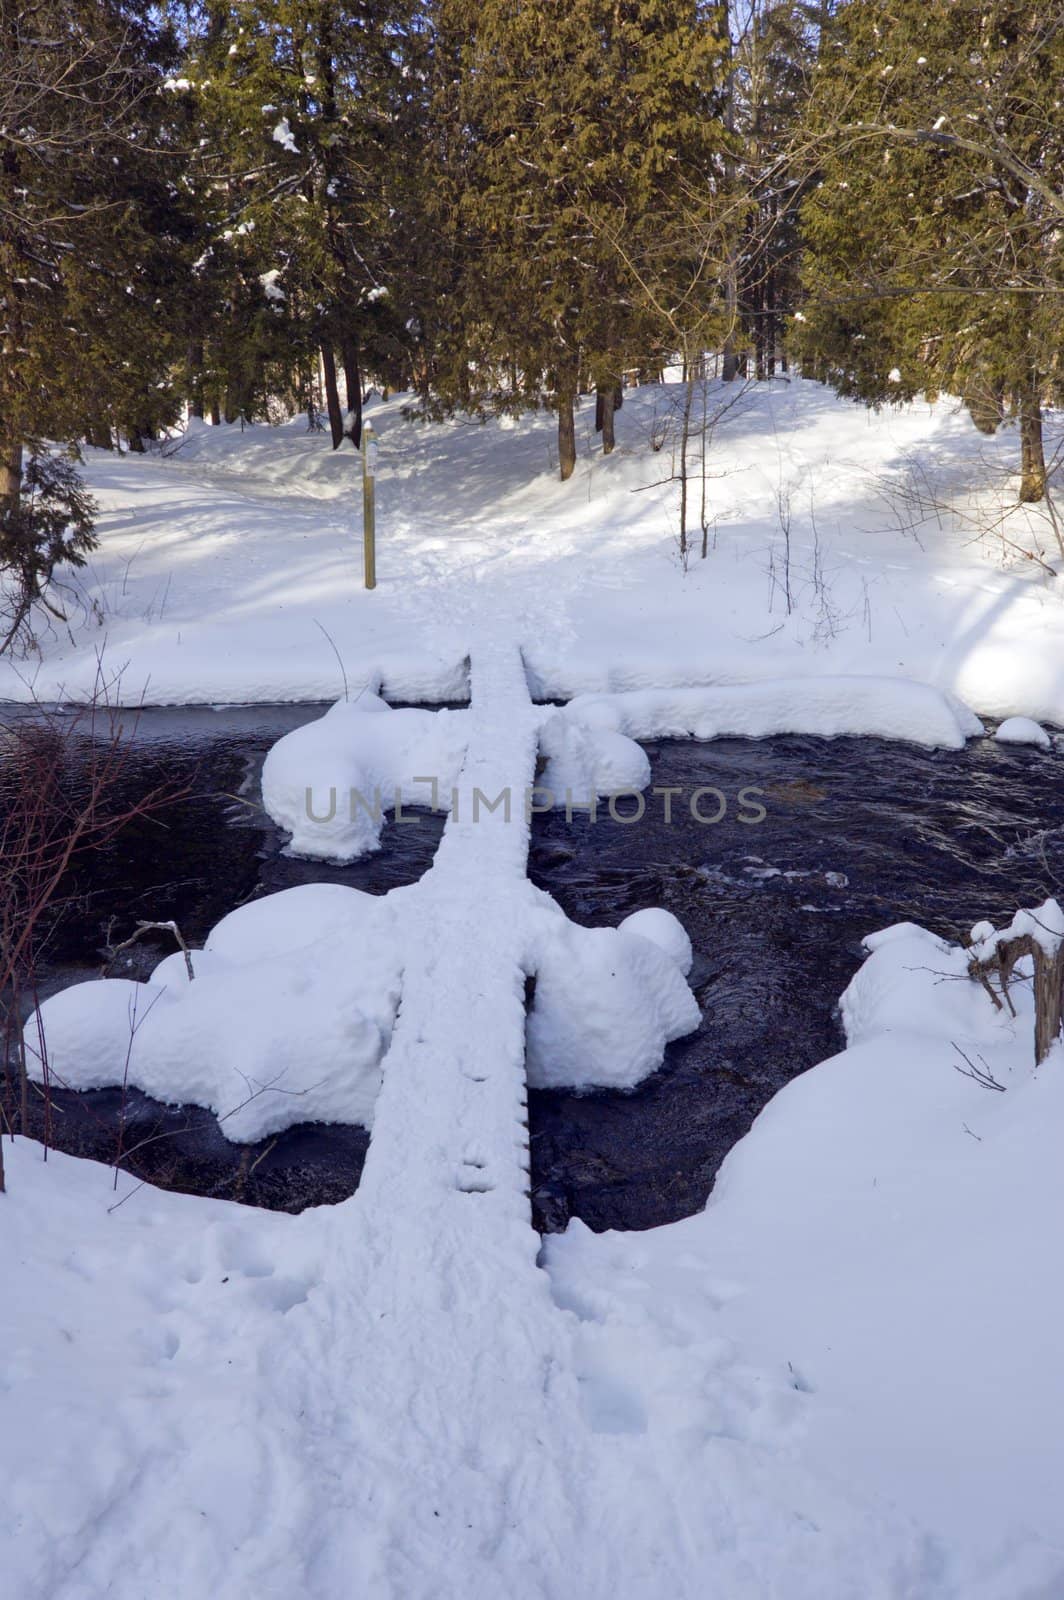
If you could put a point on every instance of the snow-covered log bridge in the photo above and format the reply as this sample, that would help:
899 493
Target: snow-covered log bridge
452 1325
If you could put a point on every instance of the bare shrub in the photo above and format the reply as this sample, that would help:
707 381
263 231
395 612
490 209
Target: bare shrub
62 794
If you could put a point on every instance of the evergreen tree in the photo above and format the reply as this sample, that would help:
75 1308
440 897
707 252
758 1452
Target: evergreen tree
578 155
933 237
305 104
775 51
89 222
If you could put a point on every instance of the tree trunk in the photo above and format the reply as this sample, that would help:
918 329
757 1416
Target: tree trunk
566 432
685 436
10 480
757 308
99 435
195 363
332 396
353 384
1048 985
1048 1001
731 272
138 434
607 401
1033 467
770 291
730 363
767 354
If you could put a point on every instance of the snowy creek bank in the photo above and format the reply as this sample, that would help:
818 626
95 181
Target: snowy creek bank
856 834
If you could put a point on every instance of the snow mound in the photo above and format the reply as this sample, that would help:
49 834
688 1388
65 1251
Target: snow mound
911 982
287 1019
1023 730
607 1000
590 749
664 930
1044 925
587 754
289 1014
330 782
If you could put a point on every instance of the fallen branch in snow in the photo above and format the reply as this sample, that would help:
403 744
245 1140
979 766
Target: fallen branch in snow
981 1075
114 951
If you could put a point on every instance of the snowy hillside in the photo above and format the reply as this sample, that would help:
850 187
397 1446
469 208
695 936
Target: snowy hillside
223 567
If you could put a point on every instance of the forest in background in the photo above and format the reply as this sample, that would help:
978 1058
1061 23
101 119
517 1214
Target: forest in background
238 211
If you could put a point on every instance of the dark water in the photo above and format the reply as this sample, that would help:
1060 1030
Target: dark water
857 834
206 853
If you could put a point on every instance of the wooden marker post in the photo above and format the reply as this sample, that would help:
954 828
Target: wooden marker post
369 505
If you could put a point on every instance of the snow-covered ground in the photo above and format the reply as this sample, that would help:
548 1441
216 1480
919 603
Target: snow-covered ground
842 1379
221 566
880 1237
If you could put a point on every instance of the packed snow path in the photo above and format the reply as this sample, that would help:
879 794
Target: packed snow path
454 1089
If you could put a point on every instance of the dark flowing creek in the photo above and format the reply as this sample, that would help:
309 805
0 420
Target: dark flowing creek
857 834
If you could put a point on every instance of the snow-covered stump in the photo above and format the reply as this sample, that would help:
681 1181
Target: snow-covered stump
995 954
